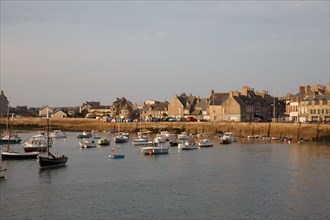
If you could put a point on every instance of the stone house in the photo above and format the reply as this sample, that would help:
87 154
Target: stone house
44 110
239 106
85 107
299 106
215 105
154 110
122 108
58 113
3 104
181 106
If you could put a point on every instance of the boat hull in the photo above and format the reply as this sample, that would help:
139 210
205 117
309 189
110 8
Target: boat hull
18 156
4 141
45 162
34 149
117 156
152 150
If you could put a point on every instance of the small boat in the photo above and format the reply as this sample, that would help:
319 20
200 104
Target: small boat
229 135
117 156
120 139
225 140
158 149
96 137
103 142
187 145
37 143
205 143
12 139
13 155
160 139
85 134
57 134
87 144
174 143
50 160
183 136
140 141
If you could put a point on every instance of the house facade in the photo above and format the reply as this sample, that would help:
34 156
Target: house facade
43 111
154 109
58 113
122 108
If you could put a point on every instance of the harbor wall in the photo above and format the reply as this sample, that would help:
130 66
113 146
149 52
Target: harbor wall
315 132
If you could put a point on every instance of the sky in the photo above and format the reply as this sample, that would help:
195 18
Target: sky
63 53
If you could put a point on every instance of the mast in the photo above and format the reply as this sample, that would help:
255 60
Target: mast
9 133
47 134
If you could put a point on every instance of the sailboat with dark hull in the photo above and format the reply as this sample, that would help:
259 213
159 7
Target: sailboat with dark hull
51 160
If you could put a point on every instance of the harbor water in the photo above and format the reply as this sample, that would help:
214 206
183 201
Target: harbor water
243 180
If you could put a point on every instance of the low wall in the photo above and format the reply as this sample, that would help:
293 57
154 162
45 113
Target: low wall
316 132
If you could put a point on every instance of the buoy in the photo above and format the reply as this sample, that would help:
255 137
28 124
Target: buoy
112 149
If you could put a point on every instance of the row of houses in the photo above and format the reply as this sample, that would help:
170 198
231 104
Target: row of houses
310 104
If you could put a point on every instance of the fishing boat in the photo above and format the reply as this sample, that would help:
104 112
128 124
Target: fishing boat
140 141
225 140
183 136
57 134
120 139
158 149
37 143
85 134
187 145
50 160
12 139
103 142
205 143
87 144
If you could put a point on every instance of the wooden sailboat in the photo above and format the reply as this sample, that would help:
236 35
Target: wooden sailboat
8 154
51 160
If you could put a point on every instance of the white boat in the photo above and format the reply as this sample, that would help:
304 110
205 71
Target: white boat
12 139
57 134
37 143
87 144
183 136
205 143
160 139
140 141
158 149
187 145
203 135
229 135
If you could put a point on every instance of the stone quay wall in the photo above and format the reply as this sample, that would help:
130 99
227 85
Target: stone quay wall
315 132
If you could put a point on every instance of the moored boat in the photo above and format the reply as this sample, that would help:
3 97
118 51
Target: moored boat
187 145
120 139
205 143
57 134
37 143
12 139
140 141
103 142
87 144
85 134
158 149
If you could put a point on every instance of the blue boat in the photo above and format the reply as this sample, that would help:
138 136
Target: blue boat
117 156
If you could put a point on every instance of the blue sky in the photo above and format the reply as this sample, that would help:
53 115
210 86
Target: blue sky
65 53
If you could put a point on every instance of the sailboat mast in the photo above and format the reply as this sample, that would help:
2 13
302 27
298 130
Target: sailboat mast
47 133
10 127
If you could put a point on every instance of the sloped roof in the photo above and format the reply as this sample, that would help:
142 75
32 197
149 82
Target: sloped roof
219 98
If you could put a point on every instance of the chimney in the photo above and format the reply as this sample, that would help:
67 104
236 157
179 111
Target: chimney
231 94
212 91
245 90
302 89
308 89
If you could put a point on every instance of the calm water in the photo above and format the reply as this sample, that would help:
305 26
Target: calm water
238 181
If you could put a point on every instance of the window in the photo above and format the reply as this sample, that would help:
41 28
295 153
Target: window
311 111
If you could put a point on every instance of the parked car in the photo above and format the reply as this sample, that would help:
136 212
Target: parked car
190 119
172 119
